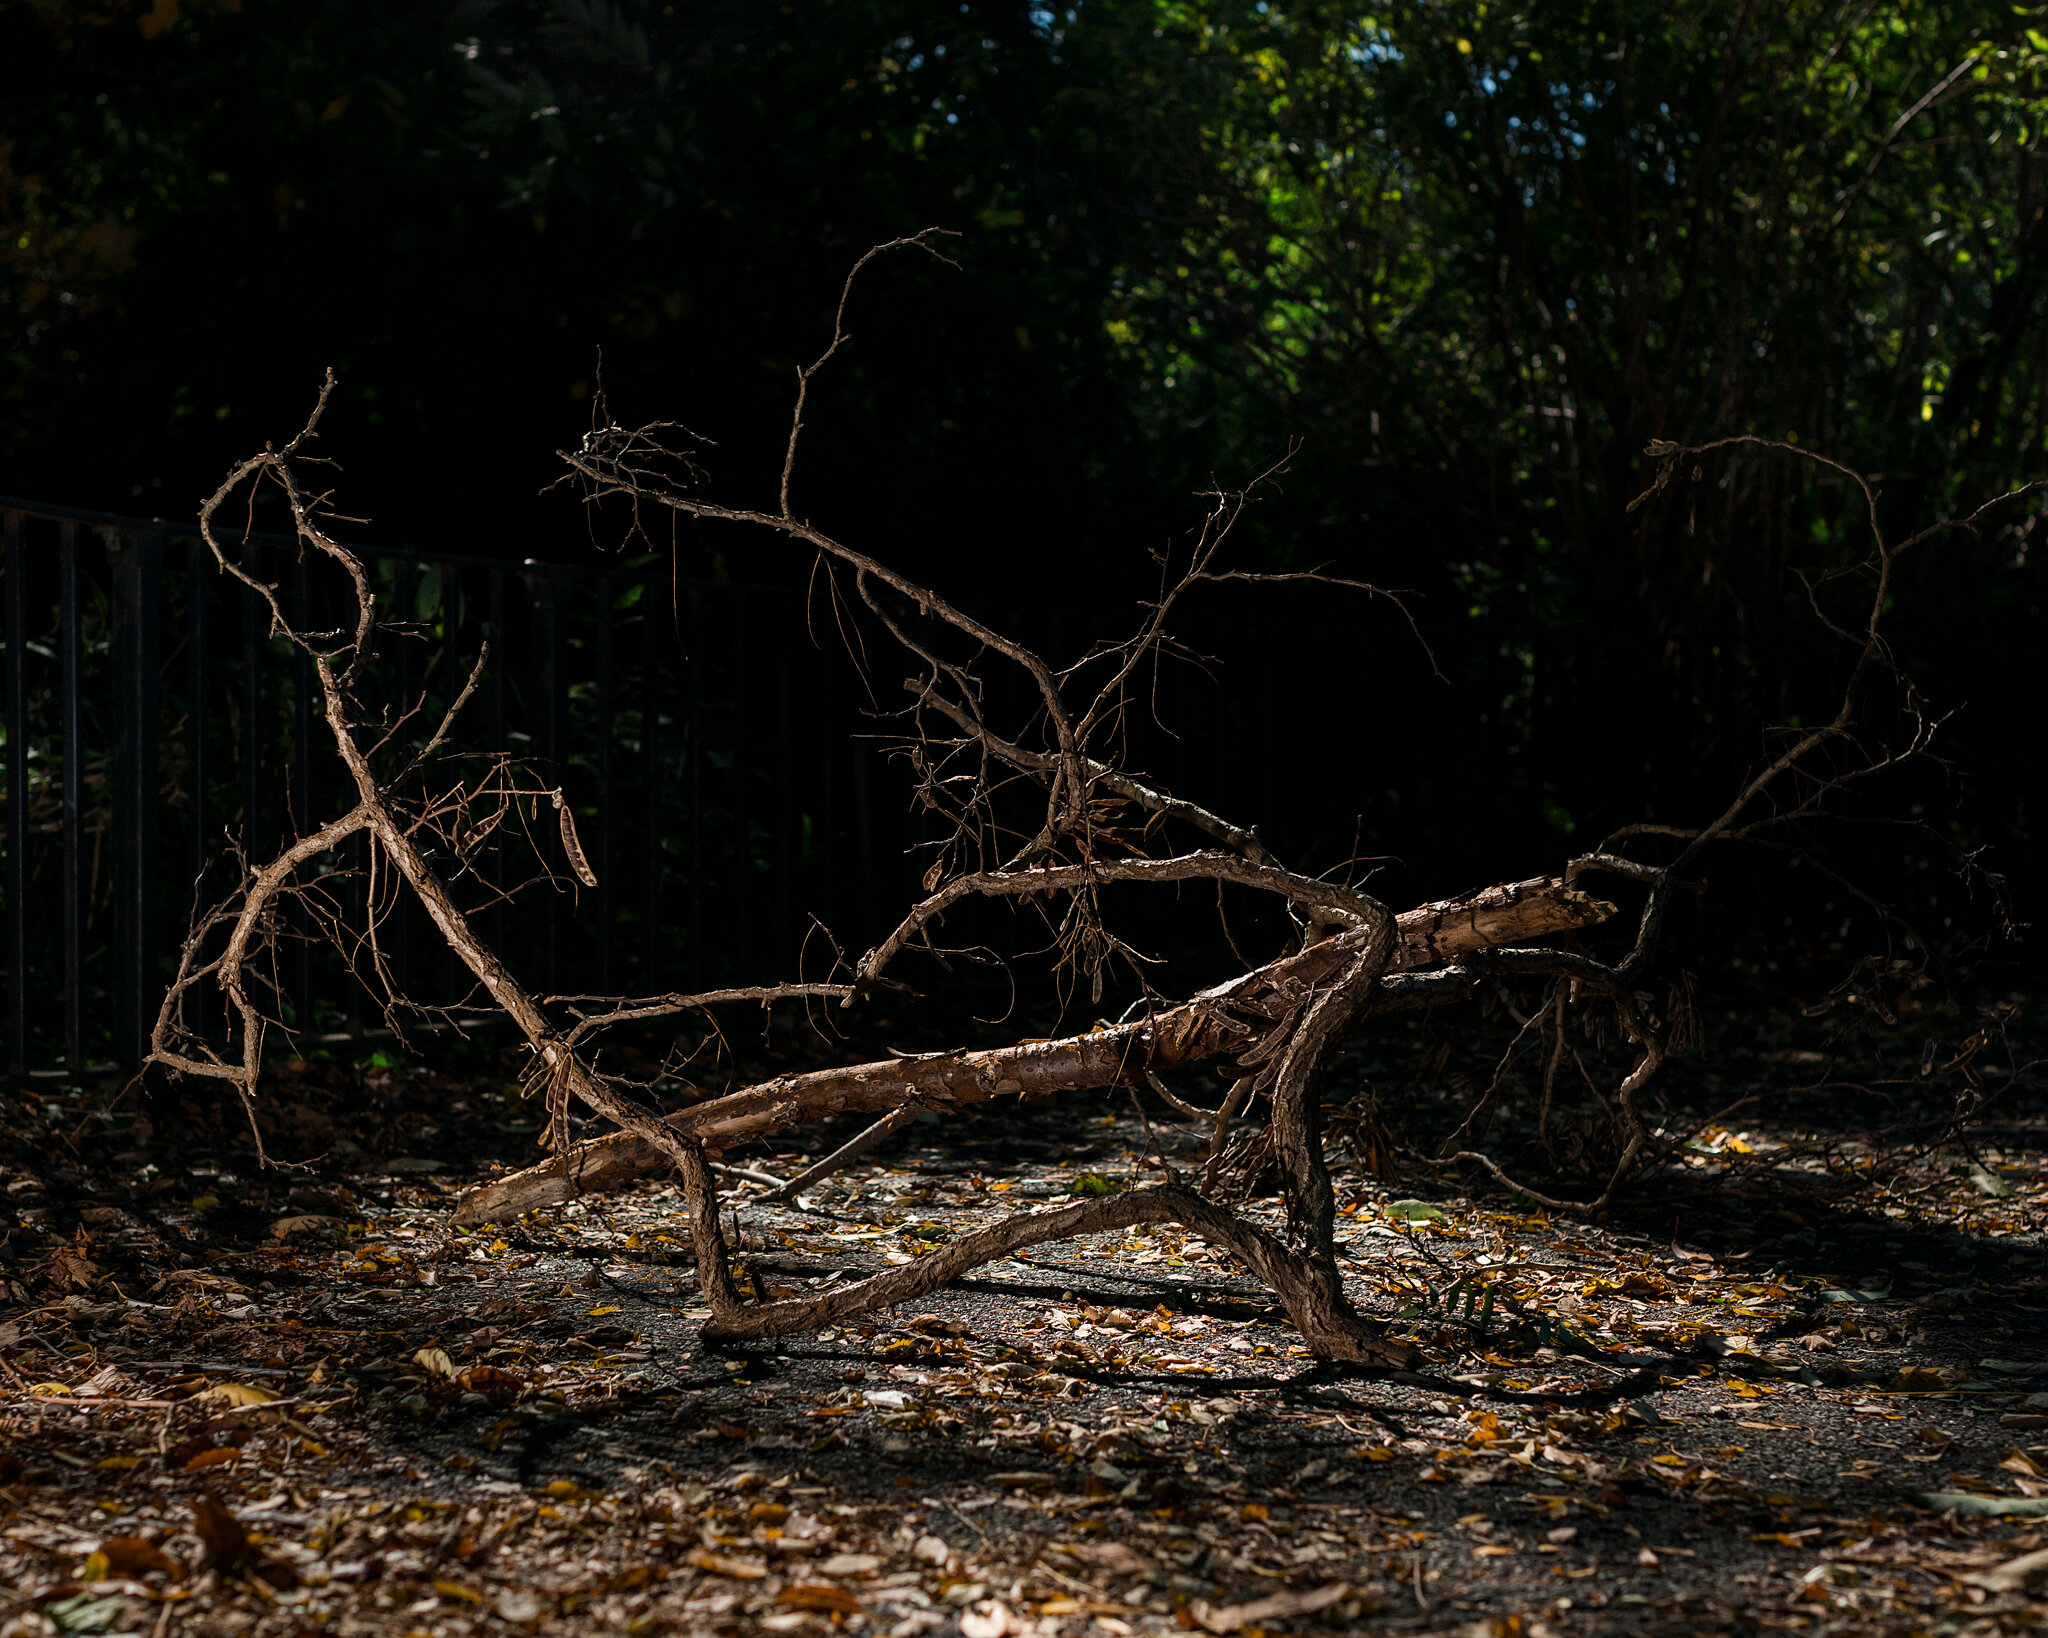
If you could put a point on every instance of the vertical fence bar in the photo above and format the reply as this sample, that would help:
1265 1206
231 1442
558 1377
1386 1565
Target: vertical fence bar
17 796
200 781
828 789
455 672
402 609
494 693
548 595
136 560
255 627
73 821
602 841
302 793
785 798
863 847
650 750
696 663
743 860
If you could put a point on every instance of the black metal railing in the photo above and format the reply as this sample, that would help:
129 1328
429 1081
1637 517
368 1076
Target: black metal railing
152 724
719 758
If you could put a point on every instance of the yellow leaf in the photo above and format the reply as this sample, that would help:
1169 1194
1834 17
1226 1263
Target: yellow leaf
594 1312
456 1590
119 1463
238 1393
95 1568
434 1361
49 1388
565 1489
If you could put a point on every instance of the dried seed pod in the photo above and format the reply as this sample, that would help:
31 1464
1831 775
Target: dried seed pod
571 846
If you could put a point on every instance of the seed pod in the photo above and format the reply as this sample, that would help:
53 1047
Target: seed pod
571 846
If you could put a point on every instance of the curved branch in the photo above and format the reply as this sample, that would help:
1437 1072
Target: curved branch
1338 903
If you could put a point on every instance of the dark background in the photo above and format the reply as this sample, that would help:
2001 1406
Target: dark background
1470 260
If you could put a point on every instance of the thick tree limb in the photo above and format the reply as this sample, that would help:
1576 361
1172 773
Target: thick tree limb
1260 1251
1230 1018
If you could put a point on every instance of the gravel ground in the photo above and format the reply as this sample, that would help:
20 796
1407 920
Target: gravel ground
516 1428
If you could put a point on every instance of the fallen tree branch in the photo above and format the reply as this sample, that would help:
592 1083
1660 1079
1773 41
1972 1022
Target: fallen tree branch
1229 1018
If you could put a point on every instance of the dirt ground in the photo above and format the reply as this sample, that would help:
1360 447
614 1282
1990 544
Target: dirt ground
1778 1390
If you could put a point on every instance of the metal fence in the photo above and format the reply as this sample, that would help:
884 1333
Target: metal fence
721 763
709 748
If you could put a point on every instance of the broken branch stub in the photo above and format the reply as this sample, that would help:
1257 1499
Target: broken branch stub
1043 816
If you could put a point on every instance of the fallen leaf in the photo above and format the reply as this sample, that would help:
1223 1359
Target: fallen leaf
2014 1575
850 1564
457 1591
285 1227
739 1569
238 1394
435 1362
218 1456
129 1557
1232 1616
819 1595
227 1544
1918 1379
991 1618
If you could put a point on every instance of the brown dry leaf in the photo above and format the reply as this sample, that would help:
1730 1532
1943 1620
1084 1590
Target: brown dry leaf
285 1227
739 1569
435 1362
1918 1379
2015 1575
1114 1556
238 1394
228 1547
2018 1461
129 1557
215 1456
493 1383
74 1269
1257 1613
819 1595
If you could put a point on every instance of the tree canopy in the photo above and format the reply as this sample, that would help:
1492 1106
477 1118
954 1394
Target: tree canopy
1469 259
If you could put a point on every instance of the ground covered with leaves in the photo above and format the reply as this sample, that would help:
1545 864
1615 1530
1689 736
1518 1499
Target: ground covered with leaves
1799 1382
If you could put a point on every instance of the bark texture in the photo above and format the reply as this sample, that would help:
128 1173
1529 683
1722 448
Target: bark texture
1237 1017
